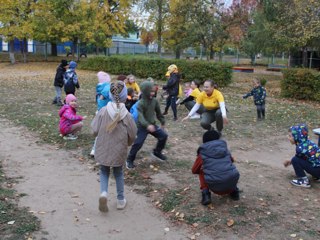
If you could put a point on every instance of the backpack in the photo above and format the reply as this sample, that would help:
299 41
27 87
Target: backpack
69 86
134 111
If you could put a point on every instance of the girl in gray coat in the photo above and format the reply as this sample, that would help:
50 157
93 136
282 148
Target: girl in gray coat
215 167
115 130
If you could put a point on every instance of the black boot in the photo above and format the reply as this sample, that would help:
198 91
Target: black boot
235 195
206 197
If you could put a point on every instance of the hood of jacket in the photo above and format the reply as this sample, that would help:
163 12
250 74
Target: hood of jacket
299 133
101 86
146 88
214 149
65 108
113 110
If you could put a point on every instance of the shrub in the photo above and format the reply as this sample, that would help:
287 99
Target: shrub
144 67
301 83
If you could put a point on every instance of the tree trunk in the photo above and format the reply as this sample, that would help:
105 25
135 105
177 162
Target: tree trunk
159 26
25 50
74 45
211 53
54 51
178 53
305 57
11 52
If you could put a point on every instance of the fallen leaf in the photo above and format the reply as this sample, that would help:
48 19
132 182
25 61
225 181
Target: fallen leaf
198 234
11 222
42 212
167 229
186 189
74 196
193 237
230 222
145 176
293 235
173 210
195 225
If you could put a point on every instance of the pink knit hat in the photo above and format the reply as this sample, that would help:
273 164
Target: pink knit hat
103 77
70 98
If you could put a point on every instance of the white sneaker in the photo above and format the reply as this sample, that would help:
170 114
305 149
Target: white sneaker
121 204
195 116
103 207
92 152
70 137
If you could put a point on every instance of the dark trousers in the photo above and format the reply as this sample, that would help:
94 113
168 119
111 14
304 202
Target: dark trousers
189 105
141 137
210 116
300 166
171 101
261 109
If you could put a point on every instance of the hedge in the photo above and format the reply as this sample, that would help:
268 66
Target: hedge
144 67
301 83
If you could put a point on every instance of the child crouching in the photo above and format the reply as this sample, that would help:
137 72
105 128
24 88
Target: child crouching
70 123
215 167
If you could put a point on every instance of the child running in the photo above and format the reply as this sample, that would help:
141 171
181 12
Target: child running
70 123
307 157
148 108
215 167
115 130
259 97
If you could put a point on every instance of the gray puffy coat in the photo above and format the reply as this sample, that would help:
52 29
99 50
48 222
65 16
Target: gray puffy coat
219 172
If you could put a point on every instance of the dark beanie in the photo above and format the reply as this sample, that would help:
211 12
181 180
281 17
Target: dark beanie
210 136
64 63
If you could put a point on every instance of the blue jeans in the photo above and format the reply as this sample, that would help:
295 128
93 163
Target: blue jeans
141 137
118 175
261 109
300 166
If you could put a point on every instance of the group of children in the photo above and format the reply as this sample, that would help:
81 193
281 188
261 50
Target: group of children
115 130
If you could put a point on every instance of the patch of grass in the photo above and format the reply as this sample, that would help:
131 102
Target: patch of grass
171 200
25 223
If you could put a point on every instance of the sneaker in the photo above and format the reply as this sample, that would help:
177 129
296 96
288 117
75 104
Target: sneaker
165 113
54 102
195 116
121 204
103 207
130 165
175 119
235 195
70 137
301 182
92 153
158 156
206 197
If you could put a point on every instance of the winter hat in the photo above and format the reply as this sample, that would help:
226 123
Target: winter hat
118 92
210 135
64 63
70 98
121 77
72 64
103 77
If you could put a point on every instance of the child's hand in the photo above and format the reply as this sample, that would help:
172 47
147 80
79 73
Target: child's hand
84 117
186 118
151 128
287 163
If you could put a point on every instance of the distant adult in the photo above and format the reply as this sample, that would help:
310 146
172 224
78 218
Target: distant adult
172 88
214 107
58 81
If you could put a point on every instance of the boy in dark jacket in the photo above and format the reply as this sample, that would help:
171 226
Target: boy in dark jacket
172 88
259 97
307 157
215 167
58 82
148 109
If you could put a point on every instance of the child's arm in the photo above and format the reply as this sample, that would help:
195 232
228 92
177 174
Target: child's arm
160 117
187 99
75 81
197 165
95 124
68 114
287 163
132 131
248 94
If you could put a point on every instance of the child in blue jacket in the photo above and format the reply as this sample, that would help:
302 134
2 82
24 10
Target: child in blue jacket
307 157
259 97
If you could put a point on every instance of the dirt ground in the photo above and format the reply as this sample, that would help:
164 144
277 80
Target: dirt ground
62 188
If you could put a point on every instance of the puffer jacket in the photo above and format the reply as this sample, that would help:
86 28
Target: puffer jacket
102 89
58 80
68 117
219 172
259 95
172 86
305 148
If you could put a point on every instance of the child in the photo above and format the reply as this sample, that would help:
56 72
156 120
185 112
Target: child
215 167
187 89
307 157
58 82
259 95
172 87
71 79
70 123
115 131
131 83
156 87
190 100
102 96
148 107
130 99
